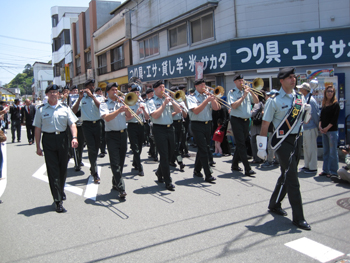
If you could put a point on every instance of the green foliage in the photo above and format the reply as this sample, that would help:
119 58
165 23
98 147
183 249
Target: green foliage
23 81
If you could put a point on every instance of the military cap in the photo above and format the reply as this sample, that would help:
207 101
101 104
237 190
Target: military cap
199 81
52 87
66 87
74 87
237 77
111 85
158 83
97 89
88 81
285 72
174 88
181 87
149 91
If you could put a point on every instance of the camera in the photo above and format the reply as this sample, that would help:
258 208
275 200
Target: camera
345 147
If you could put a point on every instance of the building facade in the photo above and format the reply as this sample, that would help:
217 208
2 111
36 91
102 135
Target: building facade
43 77
255 38
83 29
62 17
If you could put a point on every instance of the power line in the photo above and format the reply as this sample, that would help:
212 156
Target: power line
26 48
28 40
8 71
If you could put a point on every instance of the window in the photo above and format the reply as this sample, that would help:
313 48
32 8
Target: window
149 47
54 19
178 36
62 39
57 68
102 64
88 60
202 28
77 66
117 58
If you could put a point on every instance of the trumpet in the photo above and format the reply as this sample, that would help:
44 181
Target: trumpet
178 95
218 92
257 85
130 99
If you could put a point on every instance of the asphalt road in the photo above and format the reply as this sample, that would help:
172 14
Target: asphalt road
198 222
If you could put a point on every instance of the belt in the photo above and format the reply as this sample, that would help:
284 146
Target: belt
56 132
244 119
178 120
90 121
162 125
121 131
205 122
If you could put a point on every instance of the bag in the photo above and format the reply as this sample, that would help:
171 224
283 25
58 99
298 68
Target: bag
2 136
257 119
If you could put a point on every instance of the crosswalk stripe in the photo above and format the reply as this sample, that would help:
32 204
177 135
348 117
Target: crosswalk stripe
314 249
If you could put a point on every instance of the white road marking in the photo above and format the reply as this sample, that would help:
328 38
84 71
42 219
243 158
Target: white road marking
91 188
314 250
3 182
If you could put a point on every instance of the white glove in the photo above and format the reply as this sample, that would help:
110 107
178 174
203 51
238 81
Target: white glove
261 142
307 108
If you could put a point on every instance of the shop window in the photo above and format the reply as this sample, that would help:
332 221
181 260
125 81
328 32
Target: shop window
117 58
102 64
149 46
202 28
178 36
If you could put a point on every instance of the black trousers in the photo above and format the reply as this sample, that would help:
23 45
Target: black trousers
184 143
240 129
178 129
117 145
30 132
102 137
16 126
291 185
165 142
136 135
56 158
77 153
202 134
152 145
91 132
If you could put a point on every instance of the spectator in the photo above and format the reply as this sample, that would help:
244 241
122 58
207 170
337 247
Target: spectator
310 132
328 126
218 138
344 173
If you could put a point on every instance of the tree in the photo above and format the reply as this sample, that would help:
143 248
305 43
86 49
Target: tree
28 69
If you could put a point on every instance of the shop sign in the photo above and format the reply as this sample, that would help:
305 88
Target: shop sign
319 47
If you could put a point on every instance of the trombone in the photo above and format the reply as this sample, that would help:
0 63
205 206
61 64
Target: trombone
257 85
130 99
218 92
179 95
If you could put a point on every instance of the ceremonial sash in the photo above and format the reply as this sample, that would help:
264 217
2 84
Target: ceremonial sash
288 122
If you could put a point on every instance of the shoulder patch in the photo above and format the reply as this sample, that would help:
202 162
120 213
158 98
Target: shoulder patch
42 105
274 95
298 92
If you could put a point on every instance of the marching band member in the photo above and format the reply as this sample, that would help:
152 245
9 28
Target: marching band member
152 152
178 128
136 131
241 98
114 114
284 110
89 106
160 112
200 105
52 119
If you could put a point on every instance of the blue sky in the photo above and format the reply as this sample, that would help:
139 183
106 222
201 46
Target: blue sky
25 33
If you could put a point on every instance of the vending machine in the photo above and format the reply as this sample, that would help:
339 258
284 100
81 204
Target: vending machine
326 77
